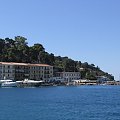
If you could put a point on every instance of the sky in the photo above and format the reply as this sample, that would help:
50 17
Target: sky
84 30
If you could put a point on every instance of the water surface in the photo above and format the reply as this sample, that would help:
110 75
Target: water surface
60 103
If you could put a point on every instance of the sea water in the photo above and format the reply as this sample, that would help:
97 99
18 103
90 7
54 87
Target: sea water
60 103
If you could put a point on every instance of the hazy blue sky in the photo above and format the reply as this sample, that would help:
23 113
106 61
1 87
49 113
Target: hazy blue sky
86 30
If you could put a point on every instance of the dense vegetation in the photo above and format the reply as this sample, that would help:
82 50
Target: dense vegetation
17 50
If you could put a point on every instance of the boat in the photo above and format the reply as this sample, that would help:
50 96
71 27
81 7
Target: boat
8 84
4 81
28 83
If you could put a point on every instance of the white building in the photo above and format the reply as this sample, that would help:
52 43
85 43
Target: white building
102 79
69 76
57 79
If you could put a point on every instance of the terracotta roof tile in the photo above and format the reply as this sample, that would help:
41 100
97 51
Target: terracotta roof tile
23 64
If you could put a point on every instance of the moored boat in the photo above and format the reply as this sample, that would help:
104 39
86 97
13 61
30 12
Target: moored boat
28 83
9 84
5 82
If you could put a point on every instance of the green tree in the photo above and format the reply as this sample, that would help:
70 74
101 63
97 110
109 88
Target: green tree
22 49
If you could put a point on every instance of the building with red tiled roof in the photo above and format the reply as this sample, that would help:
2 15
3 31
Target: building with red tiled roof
20 71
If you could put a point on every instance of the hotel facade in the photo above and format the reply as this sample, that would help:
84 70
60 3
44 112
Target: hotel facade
21 71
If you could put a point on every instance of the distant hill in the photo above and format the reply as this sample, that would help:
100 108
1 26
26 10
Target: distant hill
17 50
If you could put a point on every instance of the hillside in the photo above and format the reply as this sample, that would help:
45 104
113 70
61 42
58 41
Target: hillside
18 50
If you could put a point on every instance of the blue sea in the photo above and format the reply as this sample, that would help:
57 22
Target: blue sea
60 103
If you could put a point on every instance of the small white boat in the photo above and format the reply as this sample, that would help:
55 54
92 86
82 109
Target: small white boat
8 83
2 81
